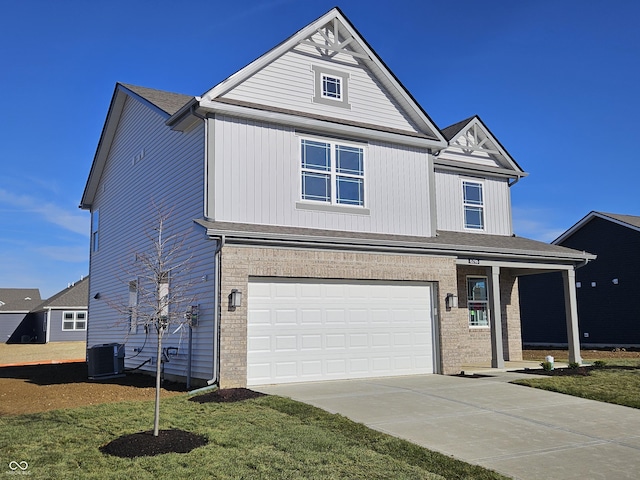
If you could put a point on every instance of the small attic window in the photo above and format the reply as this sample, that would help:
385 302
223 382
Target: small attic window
331 87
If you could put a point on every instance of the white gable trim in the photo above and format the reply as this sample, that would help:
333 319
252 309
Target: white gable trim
106 138
358 48
498 153
313 124
586 219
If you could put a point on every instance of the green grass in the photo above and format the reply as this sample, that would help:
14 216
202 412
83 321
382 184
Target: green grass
264 438
608 384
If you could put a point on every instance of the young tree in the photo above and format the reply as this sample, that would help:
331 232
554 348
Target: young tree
163 288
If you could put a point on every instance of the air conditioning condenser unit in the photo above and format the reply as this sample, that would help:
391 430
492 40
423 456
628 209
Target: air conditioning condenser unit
106 360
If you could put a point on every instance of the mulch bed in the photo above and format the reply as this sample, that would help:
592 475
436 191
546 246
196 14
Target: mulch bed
173 441
144 444
227 395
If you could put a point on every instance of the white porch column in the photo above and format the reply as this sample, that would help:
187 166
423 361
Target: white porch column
497 352
571 314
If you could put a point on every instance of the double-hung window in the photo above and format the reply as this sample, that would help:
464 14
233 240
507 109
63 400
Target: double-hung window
332 172
74 321
478 301
473 200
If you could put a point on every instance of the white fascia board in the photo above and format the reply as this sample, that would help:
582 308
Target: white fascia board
398 91
309 241
295 121
502 152
476 169
104 145
261 62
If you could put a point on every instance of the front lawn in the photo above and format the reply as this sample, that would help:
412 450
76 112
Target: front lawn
264 438
617 382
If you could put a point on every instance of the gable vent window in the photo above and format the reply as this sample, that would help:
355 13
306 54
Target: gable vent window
473 199
332 173
331 87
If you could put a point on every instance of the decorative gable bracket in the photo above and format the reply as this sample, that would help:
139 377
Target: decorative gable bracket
473 139
332 44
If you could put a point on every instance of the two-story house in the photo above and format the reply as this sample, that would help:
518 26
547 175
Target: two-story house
364 240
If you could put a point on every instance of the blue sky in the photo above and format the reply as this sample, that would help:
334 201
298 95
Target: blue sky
557 81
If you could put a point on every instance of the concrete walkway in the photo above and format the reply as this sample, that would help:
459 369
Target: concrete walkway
518 431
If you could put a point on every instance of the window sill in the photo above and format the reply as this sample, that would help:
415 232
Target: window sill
479 327
325 207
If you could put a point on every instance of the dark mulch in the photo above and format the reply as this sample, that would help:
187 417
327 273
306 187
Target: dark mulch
227 395
573 372
144 444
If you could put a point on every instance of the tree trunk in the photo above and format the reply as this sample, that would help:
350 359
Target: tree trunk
156 418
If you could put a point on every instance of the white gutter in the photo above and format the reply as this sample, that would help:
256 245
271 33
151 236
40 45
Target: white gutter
217 313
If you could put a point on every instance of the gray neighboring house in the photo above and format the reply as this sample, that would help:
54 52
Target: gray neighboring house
60 318
15 305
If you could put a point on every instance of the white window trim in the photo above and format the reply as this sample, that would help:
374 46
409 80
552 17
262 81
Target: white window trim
319 97
95 226
75 320
133 306
332 204
486 302
465 205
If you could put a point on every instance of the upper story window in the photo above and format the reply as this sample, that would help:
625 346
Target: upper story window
332 172
74 321
473 201
331 87
94 230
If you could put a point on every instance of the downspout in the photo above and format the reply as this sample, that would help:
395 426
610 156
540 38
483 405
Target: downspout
215 380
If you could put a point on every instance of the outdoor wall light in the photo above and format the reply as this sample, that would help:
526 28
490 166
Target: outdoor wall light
451 300
97 296
235 298
615 281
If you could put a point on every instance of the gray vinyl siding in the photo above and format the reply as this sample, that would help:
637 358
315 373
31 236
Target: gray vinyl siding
8 323
257 180
56 334
288 82
450 210
170 173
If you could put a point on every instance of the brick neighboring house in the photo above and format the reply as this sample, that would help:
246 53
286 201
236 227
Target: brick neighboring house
15 305
607 287
364 240
60 318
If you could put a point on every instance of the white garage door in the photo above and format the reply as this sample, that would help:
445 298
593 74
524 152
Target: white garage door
300 331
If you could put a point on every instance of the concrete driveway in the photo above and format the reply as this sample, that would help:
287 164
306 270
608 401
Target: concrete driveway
518 431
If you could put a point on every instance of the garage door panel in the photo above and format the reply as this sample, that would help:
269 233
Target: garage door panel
337 330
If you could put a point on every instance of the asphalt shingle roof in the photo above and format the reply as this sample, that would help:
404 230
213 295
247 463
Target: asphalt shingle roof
166 101
76 295
19 299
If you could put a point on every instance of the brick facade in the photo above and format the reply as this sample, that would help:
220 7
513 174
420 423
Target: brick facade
457 344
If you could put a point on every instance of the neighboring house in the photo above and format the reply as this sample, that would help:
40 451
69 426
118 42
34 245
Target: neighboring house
15 305
607 287
365 240
60 318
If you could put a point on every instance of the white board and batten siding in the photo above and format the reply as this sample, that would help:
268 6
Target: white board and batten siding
288 82
450 209
310 330
257 179
148 163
